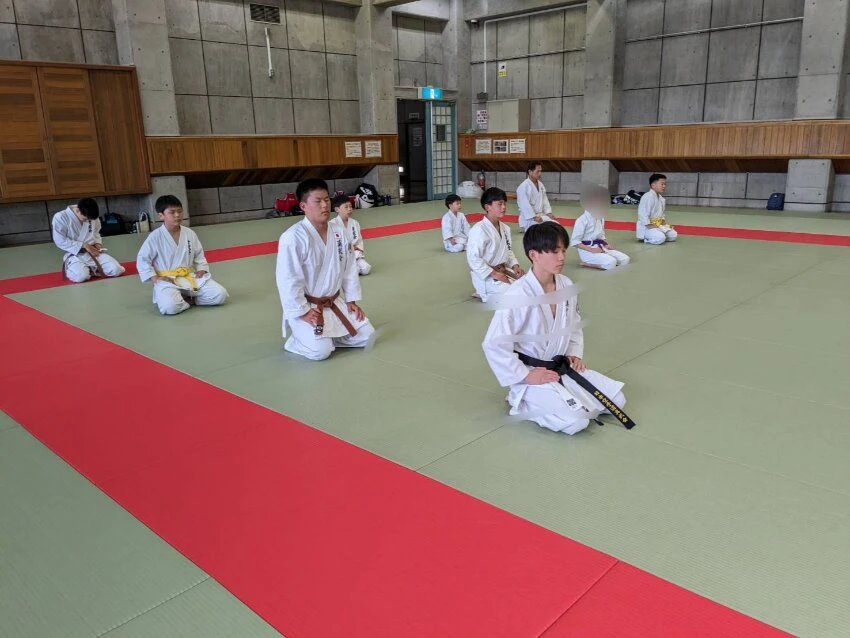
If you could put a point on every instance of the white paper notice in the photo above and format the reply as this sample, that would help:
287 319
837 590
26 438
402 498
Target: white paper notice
518 146
353 149
374 148
483 147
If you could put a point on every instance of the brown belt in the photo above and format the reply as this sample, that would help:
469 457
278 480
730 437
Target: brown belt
98 271
328 302
507 272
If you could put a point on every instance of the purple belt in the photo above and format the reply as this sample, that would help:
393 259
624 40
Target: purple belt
595 242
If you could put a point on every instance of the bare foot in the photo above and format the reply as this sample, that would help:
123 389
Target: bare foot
475 295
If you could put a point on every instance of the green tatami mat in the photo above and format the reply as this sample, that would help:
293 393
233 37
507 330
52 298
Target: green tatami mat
75 564
733 354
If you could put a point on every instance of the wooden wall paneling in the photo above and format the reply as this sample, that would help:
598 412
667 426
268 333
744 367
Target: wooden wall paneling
71 131
121 141
25 169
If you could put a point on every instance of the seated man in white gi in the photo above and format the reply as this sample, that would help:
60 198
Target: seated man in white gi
318 281
531 198
492 263
652 226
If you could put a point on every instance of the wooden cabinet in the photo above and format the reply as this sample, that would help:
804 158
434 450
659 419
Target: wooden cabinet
70 131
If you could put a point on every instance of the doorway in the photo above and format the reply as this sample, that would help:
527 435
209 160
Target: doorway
412 151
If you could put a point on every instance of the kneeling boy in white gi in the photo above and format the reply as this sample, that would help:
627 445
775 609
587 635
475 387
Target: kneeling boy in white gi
594 251
491 260
76 231
454 226
318 281
343 208
172 258
652 226
543 304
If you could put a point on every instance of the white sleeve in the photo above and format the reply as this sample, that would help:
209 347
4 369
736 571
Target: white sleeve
351 290
200 259
61 239
289 273
576 346
96 228
547 208
500 355
645 209
579 229
447 227
602 233
474 256
526 212
358 243
464 225
512 260
145 259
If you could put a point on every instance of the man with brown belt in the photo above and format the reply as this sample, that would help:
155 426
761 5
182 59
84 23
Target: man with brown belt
318 281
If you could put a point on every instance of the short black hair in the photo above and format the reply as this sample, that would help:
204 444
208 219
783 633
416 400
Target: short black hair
308 186
533 164
655 177
545 238
167 201
89 208
451 199
339 200
493 194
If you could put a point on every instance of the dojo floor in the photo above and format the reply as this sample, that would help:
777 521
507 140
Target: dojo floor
735 484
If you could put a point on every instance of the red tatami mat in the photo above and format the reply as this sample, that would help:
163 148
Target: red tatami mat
319 537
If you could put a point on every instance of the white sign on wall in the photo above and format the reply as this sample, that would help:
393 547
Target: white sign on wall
482 117
517 145
374 148
483 147
353 149
503 69
500 146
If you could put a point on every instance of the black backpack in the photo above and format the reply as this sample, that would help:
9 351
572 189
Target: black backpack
776 202
112 224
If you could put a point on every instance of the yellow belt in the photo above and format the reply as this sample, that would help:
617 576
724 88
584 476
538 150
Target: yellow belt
658 222
181 272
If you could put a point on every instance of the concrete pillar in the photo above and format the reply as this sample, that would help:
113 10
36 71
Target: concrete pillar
141 33
809 185
376 84
822 59
457 58
603 62
601 172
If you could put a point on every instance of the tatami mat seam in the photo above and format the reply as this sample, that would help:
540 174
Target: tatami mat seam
577 600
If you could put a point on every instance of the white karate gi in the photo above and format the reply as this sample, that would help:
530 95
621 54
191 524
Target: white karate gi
455 227
486 248
355 242
160 254
532 201
562 408
70 235
589 229
308 266
651 207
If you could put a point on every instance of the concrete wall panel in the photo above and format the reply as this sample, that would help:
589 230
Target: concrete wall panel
279 85
546 114
726 13
231 115
273 191
639 107
433 42
412 74
193 114
570 182
779 9
273 116
513 37
763 185
227 68
342 77
779 56
546 76
775 99
686 16
187 64
339 28
235 198
222 21
51 44
683 60
575 28
732 55
729 101
816 95
203 201
100 47
49 13
154 67
820 55
345 116
476 38
159 112
10 48
7 11
435 74
27 217
256 31
411 39
546 33
309 74
722 185
312 117
681 104
642 64
515 85
305 25
572 112
183 20
573 73
644 18
96 14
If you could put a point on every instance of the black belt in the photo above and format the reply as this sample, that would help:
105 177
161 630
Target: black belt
561 365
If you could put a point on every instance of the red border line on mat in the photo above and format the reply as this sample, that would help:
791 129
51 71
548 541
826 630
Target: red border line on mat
317 536
30 283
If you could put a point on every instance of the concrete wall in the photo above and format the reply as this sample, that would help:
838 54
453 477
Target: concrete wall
733 190
221 77
418 51
725 72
